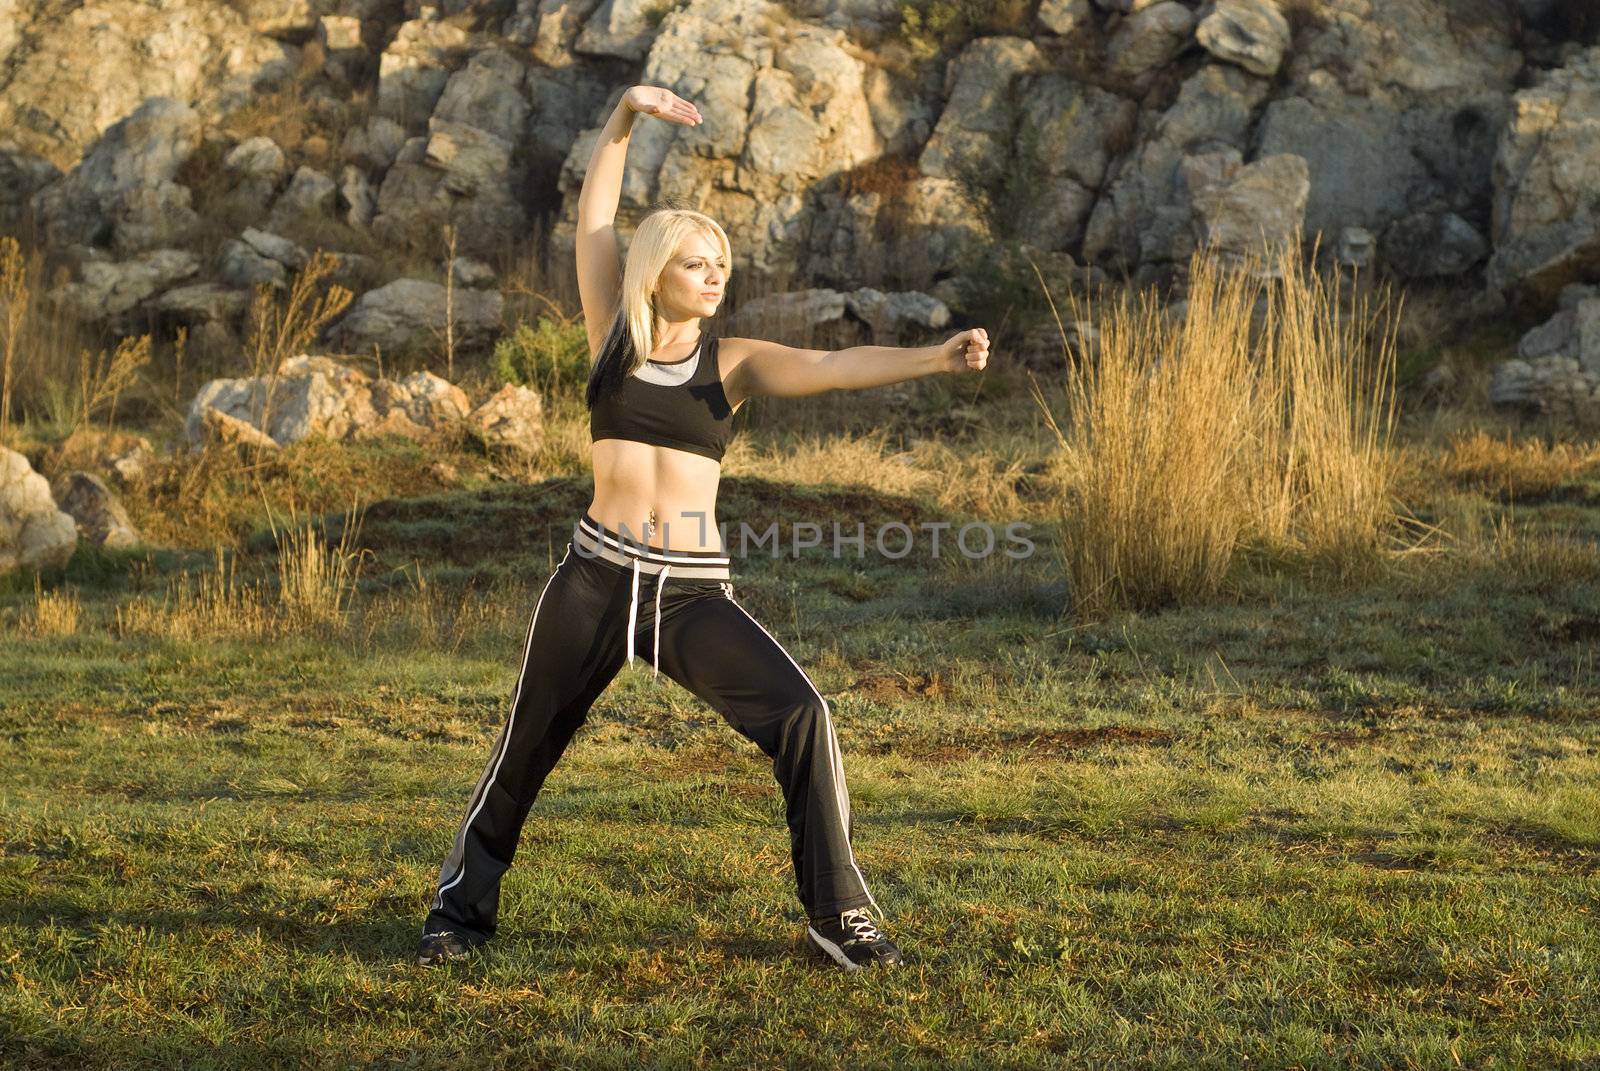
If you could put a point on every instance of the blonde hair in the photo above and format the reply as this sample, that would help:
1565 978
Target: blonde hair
632 337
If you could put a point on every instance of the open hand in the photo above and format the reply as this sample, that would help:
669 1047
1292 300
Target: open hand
967 351
663 104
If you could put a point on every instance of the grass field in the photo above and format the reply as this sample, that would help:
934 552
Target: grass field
1301 825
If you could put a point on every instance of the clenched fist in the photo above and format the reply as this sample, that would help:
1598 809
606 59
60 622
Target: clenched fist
967 351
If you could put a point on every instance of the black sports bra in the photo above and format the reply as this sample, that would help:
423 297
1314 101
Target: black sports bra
693 415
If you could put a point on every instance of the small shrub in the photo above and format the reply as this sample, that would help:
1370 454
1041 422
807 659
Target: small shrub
551 357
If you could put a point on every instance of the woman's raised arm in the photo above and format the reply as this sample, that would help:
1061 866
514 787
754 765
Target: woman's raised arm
598 253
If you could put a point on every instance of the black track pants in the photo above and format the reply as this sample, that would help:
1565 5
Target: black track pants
578 640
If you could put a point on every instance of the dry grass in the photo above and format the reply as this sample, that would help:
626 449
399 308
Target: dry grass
1506 468
210 604
54 613
1478 539
279 328
317 581
46 364
1185 440
314 594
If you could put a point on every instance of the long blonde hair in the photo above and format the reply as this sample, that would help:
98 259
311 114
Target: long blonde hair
632 337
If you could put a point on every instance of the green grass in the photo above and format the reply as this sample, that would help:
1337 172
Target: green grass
1309 828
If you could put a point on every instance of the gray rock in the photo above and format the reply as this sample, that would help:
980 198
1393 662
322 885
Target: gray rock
200 303
107 289
239 265
896 315
100 517
414 69
1432 244
619 28
1572 332
314 396
1147 40
22 174
124 184
34 534
1143 215
1546 220
1355 248
412 311
1065 16
1554 386
976 114
376 144
1256 211
548 28
1251 33
340 33
255 156
473 273
512 420
356 196
80 68
488 94
275 247
310 194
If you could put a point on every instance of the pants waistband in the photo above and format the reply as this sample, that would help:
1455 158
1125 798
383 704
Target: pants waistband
594 540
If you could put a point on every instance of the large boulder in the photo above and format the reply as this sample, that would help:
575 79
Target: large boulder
1257 209
22 174
1077 126
1145 215
110 291
1396 105
511 420
33 532
1147 40
413 70
410 312
979 102
1546 223
316 396
122 193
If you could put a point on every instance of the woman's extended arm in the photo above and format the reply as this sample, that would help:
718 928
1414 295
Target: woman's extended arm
775 370
596 248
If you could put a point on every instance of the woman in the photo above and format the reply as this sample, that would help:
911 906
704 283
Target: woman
650 537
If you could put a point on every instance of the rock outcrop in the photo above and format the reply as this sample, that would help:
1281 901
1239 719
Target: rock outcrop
34 533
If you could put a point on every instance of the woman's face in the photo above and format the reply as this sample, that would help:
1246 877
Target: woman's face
694 281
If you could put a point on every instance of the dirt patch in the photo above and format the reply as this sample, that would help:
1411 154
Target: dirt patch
890 687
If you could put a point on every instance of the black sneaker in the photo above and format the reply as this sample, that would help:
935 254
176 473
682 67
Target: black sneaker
442 946
852 940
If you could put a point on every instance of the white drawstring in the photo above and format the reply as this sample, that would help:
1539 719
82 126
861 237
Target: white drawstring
661 582
633 614
633 608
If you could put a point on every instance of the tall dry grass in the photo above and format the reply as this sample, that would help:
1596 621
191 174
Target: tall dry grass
317 580
1188 438
209 604
46 363
315 591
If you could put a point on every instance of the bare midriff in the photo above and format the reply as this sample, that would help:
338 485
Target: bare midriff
663 497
